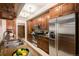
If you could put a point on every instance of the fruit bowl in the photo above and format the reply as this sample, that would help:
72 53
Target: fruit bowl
21 52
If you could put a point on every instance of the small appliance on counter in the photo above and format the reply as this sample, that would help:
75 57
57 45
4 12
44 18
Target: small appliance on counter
51 34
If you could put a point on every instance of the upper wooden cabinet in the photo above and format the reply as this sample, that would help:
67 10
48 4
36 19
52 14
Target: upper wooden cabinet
29 26
55 12
67 8
33 22
44 21
77 7
63 9
29 30
39 21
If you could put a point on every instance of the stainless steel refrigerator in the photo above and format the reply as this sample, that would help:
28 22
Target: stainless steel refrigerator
62 36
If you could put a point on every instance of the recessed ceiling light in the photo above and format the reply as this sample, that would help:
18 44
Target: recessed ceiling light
30 8
24 14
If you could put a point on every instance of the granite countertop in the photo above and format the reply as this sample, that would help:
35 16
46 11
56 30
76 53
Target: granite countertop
46 36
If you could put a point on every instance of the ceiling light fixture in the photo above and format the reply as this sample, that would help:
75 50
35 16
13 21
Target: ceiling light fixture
30 8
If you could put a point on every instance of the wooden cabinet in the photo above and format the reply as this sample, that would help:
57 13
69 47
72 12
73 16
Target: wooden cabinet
39 20
21 31
29 30
55 12
45 21
68 8
77 7
43 43
29 26
29 37
34 21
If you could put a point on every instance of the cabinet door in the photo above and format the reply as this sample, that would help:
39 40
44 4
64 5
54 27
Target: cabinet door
77 7
21 31
29 30
39 20
30 26
44 22
55 12
67 8
29 37
43 44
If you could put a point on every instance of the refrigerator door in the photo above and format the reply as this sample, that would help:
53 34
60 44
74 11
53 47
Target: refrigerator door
52 40
66 35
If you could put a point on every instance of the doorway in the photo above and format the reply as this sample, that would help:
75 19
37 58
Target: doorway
21 31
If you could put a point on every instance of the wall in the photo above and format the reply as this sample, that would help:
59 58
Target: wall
12 24
5 24
2 28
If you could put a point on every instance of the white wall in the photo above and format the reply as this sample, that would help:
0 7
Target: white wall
25 31
3 29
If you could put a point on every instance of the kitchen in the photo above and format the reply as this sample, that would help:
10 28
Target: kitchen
51 32
54 31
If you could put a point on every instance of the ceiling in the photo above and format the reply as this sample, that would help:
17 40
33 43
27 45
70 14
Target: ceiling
31 10
23 10
10 10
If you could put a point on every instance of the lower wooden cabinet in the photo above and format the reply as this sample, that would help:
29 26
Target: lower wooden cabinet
43 44
29 37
